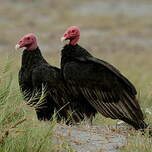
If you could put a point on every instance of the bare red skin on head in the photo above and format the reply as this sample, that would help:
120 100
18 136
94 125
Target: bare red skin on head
73 34
28 41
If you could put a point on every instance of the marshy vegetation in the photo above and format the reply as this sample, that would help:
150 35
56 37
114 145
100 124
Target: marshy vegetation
121 36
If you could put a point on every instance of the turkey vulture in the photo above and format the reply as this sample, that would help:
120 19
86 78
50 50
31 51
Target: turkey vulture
36 77
104 87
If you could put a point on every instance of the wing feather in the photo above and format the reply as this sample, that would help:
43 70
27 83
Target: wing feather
104 102
105 88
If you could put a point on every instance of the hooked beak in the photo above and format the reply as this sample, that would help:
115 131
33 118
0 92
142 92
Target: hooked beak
65 41
17 47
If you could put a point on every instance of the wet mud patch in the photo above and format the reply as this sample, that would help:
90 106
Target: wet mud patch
92 139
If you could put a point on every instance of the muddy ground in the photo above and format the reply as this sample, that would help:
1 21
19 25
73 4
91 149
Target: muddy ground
91 139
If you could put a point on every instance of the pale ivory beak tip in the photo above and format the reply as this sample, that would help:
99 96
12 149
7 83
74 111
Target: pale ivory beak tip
65 41
62 39
17 47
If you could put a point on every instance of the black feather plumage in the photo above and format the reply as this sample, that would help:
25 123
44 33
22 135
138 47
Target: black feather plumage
36 73
104 87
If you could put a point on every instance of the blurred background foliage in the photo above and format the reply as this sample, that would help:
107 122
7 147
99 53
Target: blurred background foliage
118 31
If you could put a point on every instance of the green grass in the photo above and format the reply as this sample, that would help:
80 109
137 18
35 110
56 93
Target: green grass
21 131
19 128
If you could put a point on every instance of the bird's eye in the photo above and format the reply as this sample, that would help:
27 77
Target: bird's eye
28 38
73 31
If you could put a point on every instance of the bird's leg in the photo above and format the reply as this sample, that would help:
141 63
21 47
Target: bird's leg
88 121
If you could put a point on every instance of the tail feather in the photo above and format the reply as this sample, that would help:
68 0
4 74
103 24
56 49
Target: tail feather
140 125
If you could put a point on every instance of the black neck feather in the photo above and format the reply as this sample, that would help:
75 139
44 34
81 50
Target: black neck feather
69 53
32 58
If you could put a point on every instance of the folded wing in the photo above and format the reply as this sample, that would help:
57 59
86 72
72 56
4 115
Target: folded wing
105 88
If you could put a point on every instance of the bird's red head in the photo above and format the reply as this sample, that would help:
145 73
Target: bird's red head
71 35
28 41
